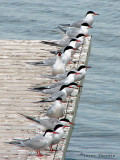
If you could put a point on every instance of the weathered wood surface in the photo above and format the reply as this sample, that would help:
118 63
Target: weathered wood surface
16 77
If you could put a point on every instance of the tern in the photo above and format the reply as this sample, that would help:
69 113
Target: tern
48 123
79 41
55 89
61 76
56 110
58 67
37 143
72 76
73 32
62 93
63 42
59 128
87 19
68 78
66 56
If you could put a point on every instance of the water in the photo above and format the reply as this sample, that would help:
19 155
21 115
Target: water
97 128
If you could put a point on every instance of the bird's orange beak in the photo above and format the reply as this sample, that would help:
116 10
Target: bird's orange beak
78 41
96 14
55 132
88 67
74 48
71 123
90 27
66 126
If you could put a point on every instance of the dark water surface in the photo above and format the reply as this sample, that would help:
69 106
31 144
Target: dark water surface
96 134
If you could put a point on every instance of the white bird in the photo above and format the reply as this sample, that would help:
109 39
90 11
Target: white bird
58 67
56 110
57 77
63 42
59 128
61 93
87 19
70 89
80 38
56 89
66 55
73 32
72 76
81 73
76 42
48 123
37 143
67 78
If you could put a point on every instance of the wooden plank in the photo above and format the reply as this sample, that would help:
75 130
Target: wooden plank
16 77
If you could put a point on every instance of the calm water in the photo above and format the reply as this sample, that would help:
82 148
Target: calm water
97 129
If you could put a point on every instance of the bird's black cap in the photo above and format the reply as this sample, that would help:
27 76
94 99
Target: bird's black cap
70 72
63 86
59 98
48 130
81 67
67 48
58 126
80 35
85 24
73 83
65 120
73 40
90 12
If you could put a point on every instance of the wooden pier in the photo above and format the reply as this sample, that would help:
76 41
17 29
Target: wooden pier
17 76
